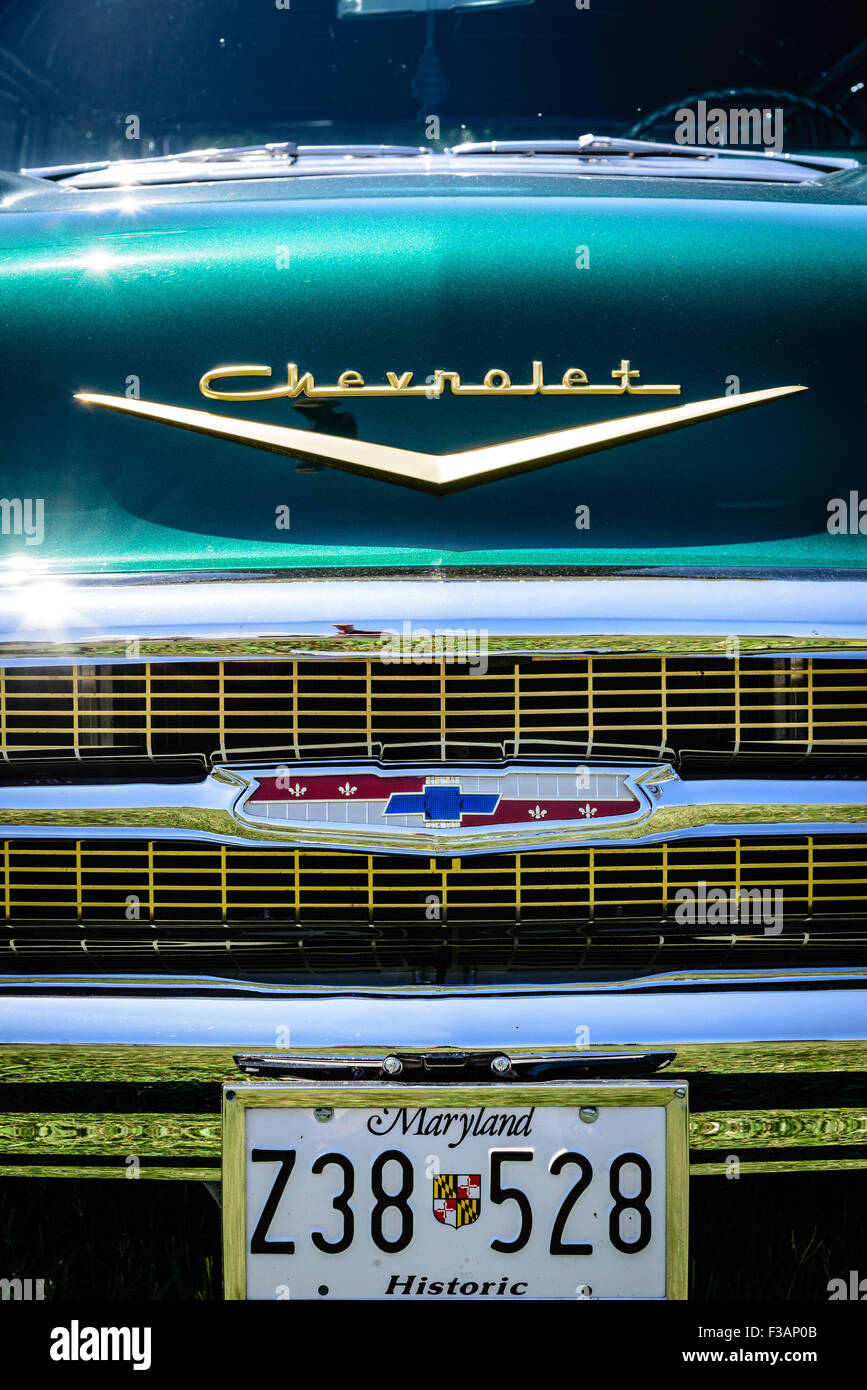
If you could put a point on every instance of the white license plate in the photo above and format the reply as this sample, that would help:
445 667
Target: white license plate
415 1194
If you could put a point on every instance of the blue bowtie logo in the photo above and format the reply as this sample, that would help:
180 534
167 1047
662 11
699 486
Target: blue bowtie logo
442 802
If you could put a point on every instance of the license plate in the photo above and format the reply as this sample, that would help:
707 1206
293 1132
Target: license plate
419 1193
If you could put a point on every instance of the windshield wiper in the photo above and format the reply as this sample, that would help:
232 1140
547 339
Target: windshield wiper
288 149
584 145
277 150
598 146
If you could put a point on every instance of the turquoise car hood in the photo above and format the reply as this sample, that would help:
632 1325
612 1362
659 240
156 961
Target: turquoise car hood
720 290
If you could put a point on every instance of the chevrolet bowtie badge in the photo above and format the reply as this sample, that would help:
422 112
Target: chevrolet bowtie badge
466 809
437 473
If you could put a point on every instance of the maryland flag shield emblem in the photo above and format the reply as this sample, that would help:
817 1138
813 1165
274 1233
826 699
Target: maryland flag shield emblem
457 1198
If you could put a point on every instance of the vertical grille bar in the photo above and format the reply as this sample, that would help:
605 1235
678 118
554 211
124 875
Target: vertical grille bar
79 905
518 889
149 739
368 706
517 735
296 695
151 889
221 695
4 737
443 715
76 731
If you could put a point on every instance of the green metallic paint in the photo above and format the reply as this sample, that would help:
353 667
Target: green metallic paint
416 274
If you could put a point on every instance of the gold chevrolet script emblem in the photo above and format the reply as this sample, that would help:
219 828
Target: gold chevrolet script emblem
438 473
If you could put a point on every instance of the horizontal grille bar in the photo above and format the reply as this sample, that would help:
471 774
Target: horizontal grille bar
521 705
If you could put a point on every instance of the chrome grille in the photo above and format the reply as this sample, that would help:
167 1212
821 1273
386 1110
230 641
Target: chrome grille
523 705
117 904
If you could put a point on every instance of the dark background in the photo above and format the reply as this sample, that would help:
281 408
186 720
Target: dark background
200 72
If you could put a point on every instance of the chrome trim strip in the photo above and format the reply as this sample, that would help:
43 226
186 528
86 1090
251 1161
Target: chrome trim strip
426 472
751 1022
42 612
163 985
212 811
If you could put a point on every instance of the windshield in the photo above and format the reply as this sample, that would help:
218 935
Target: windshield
89 80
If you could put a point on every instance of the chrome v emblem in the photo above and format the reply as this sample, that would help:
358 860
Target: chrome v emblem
438 473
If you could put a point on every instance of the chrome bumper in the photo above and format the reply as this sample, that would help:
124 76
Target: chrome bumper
103 1073
53 616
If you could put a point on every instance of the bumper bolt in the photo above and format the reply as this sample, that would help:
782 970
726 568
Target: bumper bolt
501 1064
392 1066
589 1114
323 1112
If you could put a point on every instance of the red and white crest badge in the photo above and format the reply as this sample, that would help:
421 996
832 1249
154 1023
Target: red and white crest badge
457 1198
